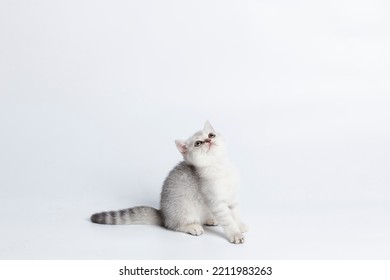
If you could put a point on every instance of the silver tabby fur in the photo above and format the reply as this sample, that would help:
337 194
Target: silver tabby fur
201 190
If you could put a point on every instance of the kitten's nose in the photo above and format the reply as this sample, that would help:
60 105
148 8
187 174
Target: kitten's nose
208 140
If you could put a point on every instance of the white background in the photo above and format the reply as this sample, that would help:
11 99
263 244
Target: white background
93 94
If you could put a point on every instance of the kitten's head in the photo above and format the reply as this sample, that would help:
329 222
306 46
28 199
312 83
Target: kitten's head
203 148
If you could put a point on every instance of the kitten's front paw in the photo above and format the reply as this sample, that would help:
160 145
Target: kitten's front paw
237 238
243 227
211 222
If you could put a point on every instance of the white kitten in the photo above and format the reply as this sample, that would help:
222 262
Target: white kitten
201 190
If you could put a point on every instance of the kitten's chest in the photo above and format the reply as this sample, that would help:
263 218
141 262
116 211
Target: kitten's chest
221 181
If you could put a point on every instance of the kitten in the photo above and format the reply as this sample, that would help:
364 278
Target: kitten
201 190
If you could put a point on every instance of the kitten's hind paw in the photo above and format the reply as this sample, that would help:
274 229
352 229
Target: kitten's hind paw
237 238
194 229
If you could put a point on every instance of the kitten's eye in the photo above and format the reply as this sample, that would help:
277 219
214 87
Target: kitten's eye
198 143
211 135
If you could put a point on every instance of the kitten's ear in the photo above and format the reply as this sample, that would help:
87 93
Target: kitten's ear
181 146
207 127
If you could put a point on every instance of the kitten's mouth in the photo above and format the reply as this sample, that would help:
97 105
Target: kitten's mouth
211 143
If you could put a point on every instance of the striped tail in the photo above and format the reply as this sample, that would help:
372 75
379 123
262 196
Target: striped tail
140 215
